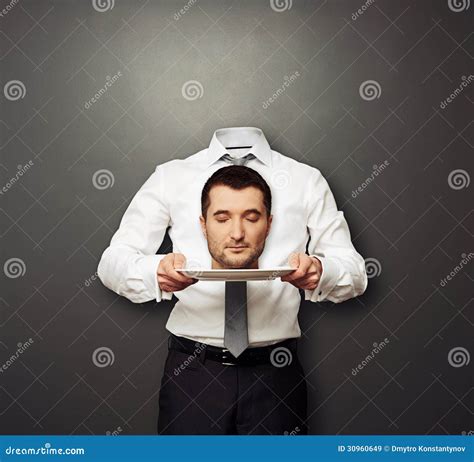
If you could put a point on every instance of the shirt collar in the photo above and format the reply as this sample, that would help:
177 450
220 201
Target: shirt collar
239 136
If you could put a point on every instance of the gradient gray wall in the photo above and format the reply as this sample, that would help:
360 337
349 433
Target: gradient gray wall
379 100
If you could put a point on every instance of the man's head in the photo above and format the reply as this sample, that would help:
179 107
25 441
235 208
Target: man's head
236 216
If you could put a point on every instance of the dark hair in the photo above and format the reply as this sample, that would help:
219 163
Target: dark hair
236 177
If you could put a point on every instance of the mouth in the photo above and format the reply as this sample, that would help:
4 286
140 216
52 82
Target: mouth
237 247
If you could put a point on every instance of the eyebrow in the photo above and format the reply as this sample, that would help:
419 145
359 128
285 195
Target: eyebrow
247 212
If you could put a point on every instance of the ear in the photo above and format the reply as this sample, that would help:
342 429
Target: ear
270 218
203 225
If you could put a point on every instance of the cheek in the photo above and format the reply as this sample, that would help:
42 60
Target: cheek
216 233
256 234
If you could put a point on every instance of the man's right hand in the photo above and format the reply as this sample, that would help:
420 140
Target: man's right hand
169 279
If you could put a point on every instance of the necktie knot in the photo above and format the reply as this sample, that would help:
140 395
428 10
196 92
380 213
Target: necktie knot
237 161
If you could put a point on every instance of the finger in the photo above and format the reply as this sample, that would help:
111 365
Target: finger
169 271
309 279
177 284
167 280
167 284
294 260
179 260
306 282
167 288
304 264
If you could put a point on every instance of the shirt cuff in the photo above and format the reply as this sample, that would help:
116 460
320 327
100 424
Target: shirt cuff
149 265
329 278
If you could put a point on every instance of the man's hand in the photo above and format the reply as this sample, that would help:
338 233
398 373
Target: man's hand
169 279
307 272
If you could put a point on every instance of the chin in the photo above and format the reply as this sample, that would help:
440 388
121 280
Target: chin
235 264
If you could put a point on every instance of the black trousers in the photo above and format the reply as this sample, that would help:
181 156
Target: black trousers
199 396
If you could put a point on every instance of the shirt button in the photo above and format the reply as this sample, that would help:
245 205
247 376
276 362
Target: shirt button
320 293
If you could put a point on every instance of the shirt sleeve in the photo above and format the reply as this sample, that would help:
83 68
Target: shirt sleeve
343 268
128 265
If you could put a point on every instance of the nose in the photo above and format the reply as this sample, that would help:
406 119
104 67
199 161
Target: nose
237 231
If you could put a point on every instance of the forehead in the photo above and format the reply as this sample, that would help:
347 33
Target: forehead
224 197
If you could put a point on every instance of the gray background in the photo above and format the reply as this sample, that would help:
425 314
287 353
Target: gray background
413 221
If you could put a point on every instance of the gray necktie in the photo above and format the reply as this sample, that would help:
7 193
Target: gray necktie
237 161
236 332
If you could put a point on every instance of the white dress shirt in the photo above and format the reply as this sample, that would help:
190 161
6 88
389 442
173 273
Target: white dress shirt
303 207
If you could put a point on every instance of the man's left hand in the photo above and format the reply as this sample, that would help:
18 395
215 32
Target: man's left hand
307 272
